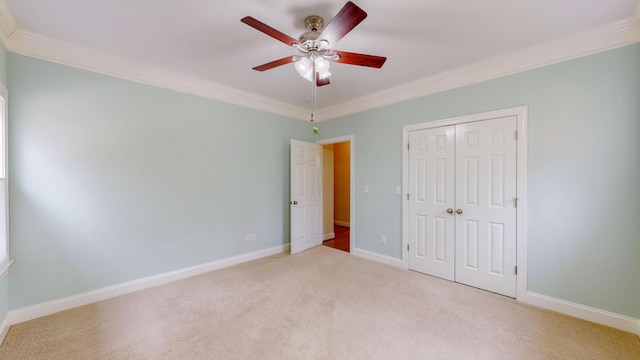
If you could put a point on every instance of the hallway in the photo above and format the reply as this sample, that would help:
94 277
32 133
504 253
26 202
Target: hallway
341 241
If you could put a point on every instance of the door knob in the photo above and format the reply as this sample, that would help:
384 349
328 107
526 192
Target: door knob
458 211
294 202
449 211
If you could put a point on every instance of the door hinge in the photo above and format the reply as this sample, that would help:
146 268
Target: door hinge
408 146
407 247
407 196
516 134
515 199
516 270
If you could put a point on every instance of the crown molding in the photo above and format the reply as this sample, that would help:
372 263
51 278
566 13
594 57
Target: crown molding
38 46
602 38
7 22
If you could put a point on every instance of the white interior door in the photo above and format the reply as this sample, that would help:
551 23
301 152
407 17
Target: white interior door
462 203
306 195
486 205
431 203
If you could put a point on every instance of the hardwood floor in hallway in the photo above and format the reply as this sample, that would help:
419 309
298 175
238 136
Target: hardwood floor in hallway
341 241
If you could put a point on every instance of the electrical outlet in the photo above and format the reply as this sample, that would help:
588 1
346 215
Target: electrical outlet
366 188
383 239
253 236
398 190
247 237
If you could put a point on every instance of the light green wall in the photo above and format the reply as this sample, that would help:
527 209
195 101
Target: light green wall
3 64
584 172
4 281
114 181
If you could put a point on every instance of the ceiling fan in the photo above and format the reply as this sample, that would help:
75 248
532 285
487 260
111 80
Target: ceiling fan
316 45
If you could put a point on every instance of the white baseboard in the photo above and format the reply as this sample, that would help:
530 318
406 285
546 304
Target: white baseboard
4 328
51 307
388 260
584 312
342 223
328 236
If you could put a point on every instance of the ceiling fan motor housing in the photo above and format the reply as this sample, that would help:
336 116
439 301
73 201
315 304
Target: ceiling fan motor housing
309 40
314 23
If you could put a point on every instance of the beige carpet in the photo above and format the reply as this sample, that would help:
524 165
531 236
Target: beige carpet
320 304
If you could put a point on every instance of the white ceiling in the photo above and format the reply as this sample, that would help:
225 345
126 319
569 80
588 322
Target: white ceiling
205 44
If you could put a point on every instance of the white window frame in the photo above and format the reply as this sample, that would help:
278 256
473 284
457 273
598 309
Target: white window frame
5 259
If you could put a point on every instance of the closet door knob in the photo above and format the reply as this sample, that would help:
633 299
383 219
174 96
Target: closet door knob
449 211
458 211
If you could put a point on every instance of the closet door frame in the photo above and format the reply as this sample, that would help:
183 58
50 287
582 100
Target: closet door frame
520 113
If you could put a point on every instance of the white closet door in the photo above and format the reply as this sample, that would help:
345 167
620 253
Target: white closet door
485 205
431 184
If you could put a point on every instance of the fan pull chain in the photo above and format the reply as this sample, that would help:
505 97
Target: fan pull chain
313 87
314 91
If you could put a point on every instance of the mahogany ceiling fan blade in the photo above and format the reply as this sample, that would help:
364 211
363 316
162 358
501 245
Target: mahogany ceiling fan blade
360 59
345 20
260 26
321 82
274 63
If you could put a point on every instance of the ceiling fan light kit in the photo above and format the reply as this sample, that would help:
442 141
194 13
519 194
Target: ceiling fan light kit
314 52
306 64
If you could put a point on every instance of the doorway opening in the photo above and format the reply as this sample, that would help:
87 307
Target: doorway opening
337 190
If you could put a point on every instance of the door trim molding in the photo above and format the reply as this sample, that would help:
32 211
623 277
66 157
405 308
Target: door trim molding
520 113
352 181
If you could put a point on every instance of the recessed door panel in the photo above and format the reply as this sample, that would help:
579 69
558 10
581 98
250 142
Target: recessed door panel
421 181
312 179
440 239
496 249
440 181
471 178
301 177
421 231
470 243
298 231
471 138
496 180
